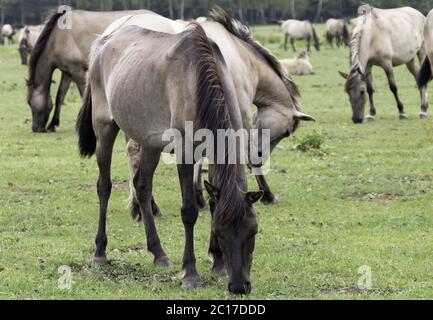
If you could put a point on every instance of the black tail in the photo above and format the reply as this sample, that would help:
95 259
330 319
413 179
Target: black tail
316 39
84 127
346 35
425 74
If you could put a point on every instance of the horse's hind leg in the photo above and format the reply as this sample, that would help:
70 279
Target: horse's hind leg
105 137
286 38
308 43
268 196
65 83
393 87
191 278
423 91
215 253
133 150
143 183
292 42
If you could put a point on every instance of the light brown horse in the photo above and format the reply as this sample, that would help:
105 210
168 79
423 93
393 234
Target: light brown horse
425 74
135 88
66 49
299 30
259 79
384 38
337 29
29 35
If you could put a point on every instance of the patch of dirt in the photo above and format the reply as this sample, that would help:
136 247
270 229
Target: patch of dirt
365 196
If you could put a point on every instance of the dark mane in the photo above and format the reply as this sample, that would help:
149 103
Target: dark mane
51 23
242 32
213 114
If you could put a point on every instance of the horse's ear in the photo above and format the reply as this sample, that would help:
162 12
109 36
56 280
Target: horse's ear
253 197
304 117
212 191
344 75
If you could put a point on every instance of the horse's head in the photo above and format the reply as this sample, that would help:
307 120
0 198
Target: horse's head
41 104
356 88
236 238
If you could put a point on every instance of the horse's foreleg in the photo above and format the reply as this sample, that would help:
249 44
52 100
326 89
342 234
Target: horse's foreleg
423 91
308 43
268 196
393 87
292 42
106 135
286 38
370 91
65 83
143 183
190 279
198 171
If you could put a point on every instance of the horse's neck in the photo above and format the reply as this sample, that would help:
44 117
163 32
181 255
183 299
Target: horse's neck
362 43
44 71
270 88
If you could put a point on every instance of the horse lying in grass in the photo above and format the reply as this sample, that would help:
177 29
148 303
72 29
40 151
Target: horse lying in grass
338 30
384 38
301 65
299 30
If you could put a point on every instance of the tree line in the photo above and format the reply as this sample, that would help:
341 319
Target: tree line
22 12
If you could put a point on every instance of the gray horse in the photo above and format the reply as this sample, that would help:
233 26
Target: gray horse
66 49
384 38
137 89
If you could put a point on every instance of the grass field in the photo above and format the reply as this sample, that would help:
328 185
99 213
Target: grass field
364 199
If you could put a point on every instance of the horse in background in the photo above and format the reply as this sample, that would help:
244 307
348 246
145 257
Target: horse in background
299 30
386 38
28 37
338 30
301 65
425 74
8 32
68 51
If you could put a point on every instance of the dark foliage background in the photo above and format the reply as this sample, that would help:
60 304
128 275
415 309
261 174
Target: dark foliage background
22 12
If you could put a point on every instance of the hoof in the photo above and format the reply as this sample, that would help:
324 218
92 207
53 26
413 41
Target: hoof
370 118
423 116
99 261
191 283
403 117
269 199
220 271
163 262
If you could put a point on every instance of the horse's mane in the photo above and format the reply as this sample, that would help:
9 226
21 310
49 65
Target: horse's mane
213 114
50 24
242 32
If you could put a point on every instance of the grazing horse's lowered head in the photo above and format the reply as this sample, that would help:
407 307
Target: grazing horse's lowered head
356 88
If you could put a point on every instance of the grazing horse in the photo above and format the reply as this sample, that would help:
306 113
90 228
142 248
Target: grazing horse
299 30
425 74
29 35
301 65
8 32
135 88
259 80
384 38
66 49
338 30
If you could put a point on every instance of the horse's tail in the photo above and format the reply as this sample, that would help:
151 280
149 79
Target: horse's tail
315 38
425 74
84 126
346 35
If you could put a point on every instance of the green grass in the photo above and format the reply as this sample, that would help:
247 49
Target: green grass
364 199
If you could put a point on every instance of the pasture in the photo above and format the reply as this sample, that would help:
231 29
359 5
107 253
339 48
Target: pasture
365 198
